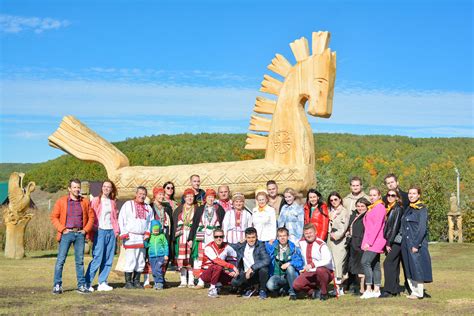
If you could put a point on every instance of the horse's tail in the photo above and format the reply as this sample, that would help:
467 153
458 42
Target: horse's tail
83 143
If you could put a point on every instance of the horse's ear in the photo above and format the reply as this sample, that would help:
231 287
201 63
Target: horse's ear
320 42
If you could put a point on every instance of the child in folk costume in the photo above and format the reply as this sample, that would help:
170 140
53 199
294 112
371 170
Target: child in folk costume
163 213
236 220
158 252
183 219
207 218
264 217
219 264
134 223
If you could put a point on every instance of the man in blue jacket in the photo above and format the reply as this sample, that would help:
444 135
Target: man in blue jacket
286 262
253 262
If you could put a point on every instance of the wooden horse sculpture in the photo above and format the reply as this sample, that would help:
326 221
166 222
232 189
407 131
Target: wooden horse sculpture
287 138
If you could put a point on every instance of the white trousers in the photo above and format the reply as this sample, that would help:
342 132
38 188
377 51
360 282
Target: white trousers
416 287
134 260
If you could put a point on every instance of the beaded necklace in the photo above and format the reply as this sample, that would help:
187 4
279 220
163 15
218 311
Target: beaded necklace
186 214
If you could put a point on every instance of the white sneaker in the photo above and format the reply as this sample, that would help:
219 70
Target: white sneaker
375 294
104 287
182 285
340 291
366 295
91 289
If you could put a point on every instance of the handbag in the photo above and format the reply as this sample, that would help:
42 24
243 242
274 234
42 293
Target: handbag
398 239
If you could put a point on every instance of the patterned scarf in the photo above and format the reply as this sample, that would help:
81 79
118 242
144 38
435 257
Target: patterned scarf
417 205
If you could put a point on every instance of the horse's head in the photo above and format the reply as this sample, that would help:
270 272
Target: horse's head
19 197
320 83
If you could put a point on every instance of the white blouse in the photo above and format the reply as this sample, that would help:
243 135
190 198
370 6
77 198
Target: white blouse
265 223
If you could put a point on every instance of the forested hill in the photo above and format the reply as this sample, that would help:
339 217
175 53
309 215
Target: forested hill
429 162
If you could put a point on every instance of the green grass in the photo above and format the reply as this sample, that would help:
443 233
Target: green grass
26 288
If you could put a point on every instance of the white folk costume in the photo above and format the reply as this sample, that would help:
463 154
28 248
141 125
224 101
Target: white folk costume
234 225
134 222
264 221
207 219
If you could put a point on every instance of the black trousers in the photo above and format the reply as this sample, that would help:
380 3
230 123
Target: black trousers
259 276
391 268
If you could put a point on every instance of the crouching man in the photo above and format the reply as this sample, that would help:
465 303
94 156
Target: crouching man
253 262
134 223
318 267
286 262
217 268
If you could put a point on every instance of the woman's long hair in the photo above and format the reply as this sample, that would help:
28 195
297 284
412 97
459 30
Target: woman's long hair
319 206
164 186
336 194
400 199
113 193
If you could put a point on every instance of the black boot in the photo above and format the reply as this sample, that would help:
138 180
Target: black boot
136 280
128 280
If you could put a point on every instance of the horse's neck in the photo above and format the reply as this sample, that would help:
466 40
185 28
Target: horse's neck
291 136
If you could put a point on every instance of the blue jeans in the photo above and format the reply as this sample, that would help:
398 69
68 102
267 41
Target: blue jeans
371 264
78 240
276 282
103 251
156 264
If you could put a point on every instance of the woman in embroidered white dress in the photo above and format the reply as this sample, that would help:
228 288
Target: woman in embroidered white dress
236 220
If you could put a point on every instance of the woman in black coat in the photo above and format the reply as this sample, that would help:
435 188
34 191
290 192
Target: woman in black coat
393 236
356 233
415 254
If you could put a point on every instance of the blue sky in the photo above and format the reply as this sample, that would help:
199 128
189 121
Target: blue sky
135 68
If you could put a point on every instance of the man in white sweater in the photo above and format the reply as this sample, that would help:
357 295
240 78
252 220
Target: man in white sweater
318 266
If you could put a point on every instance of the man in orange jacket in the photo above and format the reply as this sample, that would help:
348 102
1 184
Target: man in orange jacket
73 219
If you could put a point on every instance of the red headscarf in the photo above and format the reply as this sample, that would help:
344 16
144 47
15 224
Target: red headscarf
158 190
188 191
210 192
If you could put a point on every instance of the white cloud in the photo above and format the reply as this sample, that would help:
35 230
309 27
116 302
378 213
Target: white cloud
30 135
17 24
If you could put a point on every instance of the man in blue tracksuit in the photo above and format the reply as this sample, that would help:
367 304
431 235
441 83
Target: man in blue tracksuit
286 262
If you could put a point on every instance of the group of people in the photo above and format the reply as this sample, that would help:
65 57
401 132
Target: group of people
282 246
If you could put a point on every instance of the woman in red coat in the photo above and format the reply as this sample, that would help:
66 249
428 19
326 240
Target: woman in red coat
316 212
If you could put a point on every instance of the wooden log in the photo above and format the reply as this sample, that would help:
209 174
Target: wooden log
256 142
271 85
264 106
280 65
259 124
300 49
320 42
